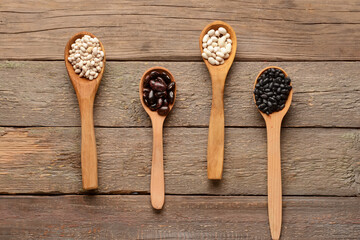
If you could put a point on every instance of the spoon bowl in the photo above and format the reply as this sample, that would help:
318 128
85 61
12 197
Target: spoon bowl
273 127
218 73
281 113
157 184
85 91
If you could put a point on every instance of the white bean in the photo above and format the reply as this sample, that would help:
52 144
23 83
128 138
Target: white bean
213 55
221 41
222 62
219 59
77 71
228 40
217 33
214 39
204 55
227 35
207 52
91 78
217 62
204 45
205 38
210 48
216 49
220 54
223 50
96 74
211 60
211 32
226 56
82 49
98 68
222 30
214 44
92 73
209 42
228 47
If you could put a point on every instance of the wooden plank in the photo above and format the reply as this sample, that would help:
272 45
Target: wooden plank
139 30
184 217
47 160
326 95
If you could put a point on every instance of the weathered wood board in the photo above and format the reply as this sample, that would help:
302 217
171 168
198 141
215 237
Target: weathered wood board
47 160
326 94
184 217
159 30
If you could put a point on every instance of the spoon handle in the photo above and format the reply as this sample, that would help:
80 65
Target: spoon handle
274 177
157 185
88 145
215 150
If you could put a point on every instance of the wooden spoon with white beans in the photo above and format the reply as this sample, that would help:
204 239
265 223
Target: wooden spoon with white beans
218 73
85 91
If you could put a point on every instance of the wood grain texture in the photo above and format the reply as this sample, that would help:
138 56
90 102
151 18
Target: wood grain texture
47 160
143 30
183 217
326 94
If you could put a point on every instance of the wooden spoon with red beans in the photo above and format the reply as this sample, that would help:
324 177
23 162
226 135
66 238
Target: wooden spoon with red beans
157 95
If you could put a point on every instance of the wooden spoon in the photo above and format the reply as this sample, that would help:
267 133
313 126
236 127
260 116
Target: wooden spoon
215 150
273 127
85 91
157 185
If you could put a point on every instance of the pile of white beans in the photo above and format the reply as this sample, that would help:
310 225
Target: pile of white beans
216 46
86 57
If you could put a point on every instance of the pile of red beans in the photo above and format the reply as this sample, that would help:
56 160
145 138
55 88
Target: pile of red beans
158 92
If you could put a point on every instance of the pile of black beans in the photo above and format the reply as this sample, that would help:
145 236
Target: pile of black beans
272 90
158 92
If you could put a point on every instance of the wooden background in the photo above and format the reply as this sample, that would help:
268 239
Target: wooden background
316 42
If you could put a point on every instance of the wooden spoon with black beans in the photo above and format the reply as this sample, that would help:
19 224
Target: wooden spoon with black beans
273 95
157 91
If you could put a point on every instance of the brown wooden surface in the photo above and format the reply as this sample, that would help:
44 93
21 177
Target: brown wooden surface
47 160
183 217
154 30
323 95
317 44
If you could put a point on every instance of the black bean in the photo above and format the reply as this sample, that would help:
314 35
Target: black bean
269 94
262 106
266 80
163 110
258 102
264 96
264 101
278 90
257 85
171 86
269 104
283 96
281 75
273 100
278 97
261 82
256 97
267 112
266 86
271 85
285 91
276 85
170 97
282 106
267 90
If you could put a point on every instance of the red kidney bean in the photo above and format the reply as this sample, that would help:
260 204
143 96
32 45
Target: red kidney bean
158 92
163 110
